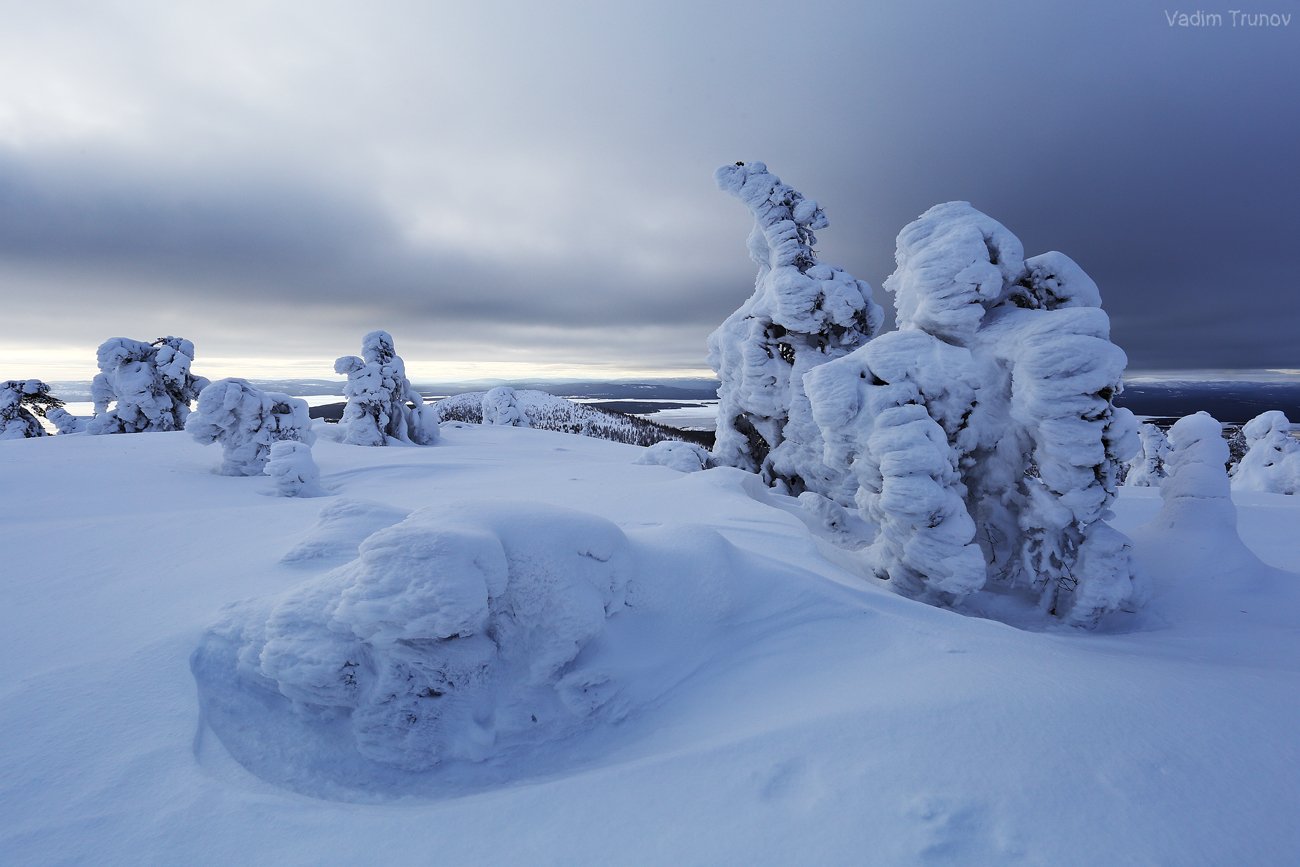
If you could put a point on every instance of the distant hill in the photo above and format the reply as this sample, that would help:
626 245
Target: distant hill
1229 402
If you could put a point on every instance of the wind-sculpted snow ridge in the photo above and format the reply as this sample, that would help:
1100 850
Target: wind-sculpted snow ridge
1272 460
983 435
143 386
801 314
543 411
382 403
464 635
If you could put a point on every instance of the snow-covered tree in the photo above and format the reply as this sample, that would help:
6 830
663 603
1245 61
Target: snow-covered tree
1196 494
1272 460
381 401
1147 468
501 407
294 470
148 385
247 422
802 314
23 403
986 420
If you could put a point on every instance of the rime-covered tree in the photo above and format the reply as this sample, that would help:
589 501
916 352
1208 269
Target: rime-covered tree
381 401
1272 460
987 418
143 386
501 407
802 314
247 422
1196 494
23 403
1147 468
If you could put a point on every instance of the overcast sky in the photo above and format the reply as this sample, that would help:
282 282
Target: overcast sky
525 189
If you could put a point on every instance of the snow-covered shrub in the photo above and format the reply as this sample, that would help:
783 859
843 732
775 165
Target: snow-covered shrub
1272 460
1147 468
23 402
454 634
501 406
986 422
381 401
148 385
295 473
680 456
801 315
247 422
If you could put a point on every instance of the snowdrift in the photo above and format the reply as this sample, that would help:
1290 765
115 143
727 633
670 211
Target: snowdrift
713 679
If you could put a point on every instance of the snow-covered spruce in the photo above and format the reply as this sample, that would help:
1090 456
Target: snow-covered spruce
501 406
454 634
1196 495
1147 468
381 401
23 402
801 315
680 456
143 386
1272 460
295 473
1010 359
247 422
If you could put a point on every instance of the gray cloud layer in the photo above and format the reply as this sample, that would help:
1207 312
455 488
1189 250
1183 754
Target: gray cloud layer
535 183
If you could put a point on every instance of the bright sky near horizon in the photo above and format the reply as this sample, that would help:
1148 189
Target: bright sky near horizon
524 190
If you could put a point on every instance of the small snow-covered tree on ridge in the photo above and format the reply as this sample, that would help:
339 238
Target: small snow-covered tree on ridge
801 315
148 385
501 407
381 401
291 465
23 403
1272 460
1010 359
247 422
1147 468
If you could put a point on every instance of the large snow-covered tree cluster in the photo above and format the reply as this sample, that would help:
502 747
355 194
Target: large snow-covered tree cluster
802 314
983 434
143 386
382 403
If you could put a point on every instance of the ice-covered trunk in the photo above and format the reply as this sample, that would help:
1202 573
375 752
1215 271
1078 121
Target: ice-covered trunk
801 315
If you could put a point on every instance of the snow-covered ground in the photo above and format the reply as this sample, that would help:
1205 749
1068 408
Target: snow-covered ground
770 703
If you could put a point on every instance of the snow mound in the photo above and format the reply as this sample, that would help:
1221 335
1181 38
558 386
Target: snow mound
683 457
452 636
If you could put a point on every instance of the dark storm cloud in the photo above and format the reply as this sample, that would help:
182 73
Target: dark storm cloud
500 174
